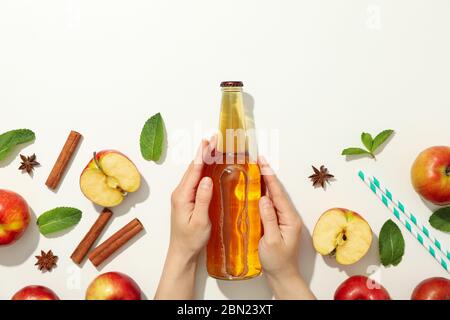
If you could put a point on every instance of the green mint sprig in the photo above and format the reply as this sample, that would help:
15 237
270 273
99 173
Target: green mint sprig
371 144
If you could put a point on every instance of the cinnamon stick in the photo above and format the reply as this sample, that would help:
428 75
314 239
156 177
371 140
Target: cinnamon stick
115 242
63 160
85 245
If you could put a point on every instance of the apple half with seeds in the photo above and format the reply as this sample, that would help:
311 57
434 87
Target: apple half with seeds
108 177
344 234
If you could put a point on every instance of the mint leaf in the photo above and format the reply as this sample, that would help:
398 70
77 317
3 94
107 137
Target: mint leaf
381 138
391 244
58 219
354 151
152 138
10 139
370 143
440 219
367 140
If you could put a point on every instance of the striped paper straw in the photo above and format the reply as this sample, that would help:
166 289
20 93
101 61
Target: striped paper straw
411 216
413 230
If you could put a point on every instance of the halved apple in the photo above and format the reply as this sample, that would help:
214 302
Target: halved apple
343 234
108 177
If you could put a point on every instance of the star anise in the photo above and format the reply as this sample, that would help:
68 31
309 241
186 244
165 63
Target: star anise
46 261
320 177
28 163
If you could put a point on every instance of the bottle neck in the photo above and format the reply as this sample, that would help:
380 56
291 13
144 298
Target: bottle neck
232 129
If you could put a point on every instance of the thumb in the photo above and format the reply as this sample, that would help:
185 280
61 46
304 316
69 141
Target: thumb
202 200
269 219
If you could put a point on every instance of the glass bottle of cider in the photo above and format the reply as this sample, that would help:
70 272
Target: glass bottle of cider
232 252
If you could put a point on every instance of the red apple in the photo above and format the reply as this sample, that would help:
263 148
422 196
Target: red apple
113 286
344 234
14 216
108 177
430 175
432 289
35 293
361 288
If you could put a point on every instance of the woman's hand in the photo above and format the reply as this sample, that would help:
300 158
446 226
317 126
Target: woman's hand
190 225
279 247
190 230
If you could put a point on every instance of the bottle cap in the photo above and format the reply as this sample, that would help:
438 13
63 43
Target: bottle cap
231 84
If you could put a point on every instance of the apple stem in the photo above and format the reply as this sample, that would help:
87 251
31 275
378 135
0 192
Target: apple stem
96 161
447 171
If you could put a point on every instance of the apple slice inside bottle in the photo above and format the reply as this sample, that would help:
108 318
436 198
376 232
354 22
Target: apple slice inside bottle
108 177
344 234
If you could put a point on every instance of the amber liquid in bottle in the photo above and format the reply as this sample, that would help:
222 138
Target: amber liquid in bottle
232 252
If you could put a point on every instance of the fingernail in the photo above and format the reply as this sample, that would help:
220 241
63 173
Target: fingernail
213 142
206 183
262 160
265 203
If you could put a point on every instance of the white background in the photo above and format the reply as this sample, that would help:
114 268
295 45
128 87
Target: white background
319 72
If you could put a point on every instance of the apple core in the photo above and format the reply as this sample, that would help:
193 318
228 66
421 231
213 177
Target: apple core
108 178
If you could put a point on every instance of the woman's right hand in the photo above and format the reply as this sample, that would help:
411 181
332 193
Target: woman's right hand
279 247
